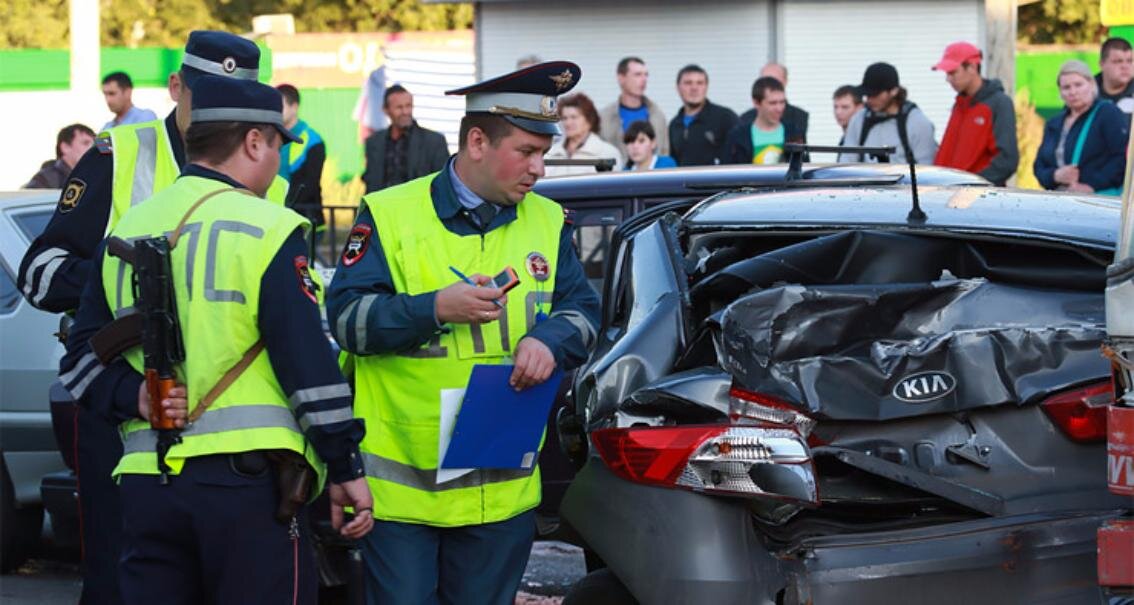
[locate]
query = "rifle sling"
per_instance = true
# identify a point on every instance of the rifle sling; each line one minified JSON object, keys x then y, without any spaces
{"x":226,"y":381}
{"x":235,"y":371}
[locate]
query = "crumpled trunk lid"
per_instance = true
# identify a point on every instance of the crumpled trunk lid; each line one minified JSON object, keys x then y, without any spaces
{"x":878,"y":352}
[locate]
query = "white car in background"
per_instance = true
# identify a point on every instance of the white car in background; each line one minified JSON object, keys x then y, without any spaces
{"x":29,"y":363}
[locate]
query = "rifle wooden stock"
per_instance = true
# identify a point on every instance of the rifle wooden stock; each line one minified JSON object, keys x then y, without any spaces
{"x":158,"y":388}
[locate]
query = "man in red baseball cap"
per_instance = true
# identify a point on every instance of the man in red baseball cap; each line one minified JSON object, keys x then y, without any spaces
{"x":981,"y":135}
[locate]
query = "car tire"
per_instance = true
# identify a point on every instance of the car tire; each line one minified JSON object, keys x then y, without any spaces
{"x":20,"y":527}
{"x":600,"y":587}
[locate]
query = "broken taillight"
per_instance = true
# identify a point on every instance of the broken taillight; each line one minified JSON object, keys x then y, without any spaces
{"x":1081,"y":413}
{"x":752,"y":406}
{"x":722,"y":459}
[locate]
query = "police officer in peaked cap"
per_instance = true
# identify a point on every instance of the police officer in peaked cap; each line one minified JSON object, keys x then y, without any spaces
{"x":259,"y":390}
{"x":127,"y":165}
{"x":415,"y":331}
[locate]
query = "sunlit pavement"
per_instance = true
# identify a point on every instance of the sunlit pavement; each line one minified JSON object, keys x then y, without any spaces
{"x":52,"y":579}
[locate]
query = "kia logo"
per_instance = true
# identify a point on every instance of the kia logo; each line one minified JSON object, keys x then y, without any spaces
{"x":925,"y":386}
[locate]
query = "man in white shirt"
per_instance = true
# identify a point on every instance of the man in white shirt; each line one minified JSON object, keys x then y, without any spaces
{"x":118,"y":88}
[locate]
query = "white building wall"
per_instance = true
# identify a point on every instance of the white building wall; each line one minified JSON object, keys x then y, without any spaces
{"x":729,"y":38}
{"x":827,"y":44}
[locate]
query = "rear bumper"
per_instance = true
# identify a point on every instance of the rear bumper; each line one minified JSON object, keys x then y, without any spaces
{"x":1043,"y":557}
{"x":673,"y":546}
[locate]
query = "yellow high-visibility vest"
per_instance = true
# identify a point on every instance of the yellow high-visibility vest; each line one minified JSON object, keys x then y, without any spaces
{"x":218,"y":263}
{"x":399,"y":395}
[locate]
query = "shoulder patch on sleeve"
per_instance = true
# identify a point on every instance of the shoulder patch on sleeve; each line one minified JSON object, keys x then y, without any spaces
{"x":357,"y":243}
{"x":569,"y":216}
{"x":72,"y":193}
{"x":104,"y":144}
{"x":306,"y":284}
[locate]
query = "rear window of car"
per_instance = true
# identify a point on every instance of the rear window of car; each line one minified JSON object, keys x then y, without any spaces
{"x":32,"y":222}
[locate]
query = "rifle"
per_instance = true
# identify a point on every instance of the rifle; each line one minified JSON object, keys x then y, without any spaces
{"x":162,"y":345}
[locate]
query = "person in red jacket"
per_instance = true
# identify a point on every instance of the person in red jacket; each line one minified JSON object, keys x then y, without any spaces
{"x":981,"y":135}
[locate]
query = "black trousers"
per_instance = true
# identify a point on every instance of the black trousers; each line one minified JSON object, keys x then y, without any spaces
{"x":211,"y":536}
{"x":98,"y":448}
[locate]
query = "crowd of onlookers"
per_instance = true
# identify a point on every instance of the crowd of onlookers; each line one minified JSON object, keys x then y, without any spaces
{"x":1083,"y":148}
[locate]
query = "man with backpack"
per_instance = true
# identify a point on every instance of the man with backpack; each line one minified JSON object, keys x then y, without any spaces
{"x":888,"y":119}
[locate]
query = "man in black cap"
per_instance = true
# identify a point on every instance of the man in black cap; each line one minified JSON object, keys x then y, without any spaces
{"x":888,"y":119}
{"x":417,"y":331}
{"x":202,"y":524}
{"x":128,"y":164}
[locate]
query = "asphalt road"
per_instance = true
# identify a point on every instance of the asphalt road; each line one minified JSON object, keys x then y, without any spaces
{"x":52,"y":578}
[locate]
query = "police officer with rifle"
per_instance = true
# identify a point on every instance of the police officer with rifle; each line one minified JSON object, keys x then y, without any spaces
{"x":127,"y":165}
{"x":232,"y":409}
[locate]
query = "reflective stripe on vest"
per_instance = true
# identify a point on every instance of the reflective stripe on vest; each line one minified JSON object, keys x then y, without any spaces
{"x":426,"y":480}
{"x":218,"y":421}
{"x":399,"y":395}
{"x":144,"y":164}
{"x":218,"y":265}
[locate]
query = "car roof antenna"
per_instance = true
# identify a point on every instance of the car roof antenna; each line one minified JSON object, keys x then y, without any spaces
{"x":916,"y":214}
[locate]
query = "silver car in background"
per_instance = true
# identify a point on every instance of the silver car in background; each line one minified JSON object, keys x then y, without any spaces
{"x":29,"y":363}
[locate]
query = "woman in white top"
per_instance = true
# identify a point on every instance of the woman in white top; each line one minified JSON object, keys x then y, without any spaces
{"x":580,"y":122}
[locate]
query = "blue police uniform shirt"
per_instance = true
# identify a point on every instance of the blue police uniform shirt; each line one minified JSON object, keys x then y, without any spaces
{"x":397,"y":322}
{"x":69,"y":241}
{"x":290,"y":328}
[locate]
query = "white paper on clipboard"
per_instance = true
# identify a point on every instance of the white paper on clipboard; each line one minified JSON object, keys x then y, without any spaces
{"x":450,"y":405}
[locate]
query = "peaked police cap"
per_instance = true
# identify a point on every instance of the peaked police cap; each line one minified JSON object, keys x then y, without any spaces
{"x":218,"y":99}
{"x":220,"y":54}
{"x":526,"y":97}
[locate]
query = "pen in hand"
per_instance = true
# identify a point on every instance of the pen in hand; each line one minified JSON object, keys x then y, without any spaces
{"x":470,"y":282}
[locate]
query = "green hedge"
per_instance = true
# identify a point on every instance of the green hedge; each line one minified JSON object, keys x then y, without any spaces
{"x":33,"y":69}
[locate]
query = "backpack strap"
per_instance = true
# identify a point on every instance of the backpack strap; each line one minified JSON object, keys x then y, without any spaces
{"x":903,"y":117}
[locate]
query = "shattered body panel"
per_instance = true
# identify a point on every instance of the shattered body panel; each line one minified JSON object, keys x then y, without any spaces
{"x":847,"y":352}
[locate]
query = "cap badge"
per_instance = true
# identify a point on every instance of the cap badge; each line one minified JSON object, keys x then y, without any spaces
{"x":547,"y":107}
{"x":563,"y":80}
{"x":228,"y":65}
{"x":538,"y":266}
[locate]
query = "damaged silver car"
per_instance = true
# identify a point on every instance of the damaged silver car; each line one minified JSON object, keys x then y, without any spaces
{"x":820,"y":396}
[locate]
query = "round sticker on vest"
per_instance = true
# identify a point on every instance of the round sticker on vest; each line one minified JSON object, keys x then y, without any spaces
{"x":228,"y":65}
{"x":538,"y":266}
{"x":979,"y":120}
{"x":924,"y":387}
{"x":1126,"y":104}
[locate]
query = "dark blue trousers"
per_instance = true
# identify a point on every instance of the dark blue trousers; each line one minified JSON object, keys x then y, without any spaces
{"x":98,"y":448}
{"x":210,"y":536}
{"x":471,"y":565}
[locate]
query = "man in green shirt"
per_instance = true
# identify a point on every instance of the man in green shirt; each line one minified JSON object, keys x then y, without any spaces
{"x":761,"y":140}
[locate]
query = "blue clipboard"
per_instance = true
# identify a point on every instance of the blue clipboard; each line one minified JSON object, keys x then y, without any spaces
{"x":497,"y":426}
